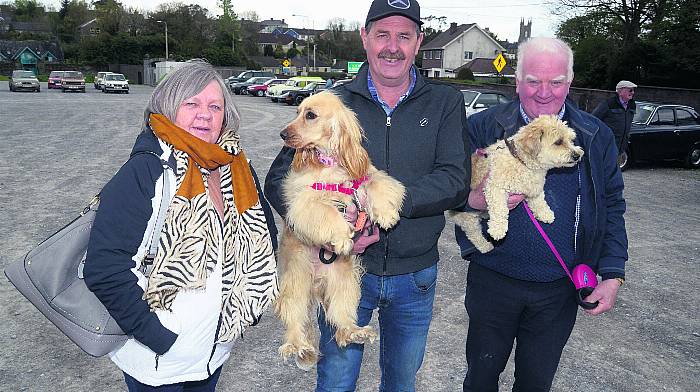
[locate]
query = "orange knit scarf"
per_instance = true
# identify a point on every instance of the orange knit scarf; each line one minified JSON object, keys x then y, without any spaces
{"x":209,"y":156}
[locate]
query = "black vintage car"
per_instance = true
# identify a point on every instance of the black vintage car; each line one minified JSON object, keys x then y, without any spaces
{"x":297,"y":96}
{"x":663,"y":132}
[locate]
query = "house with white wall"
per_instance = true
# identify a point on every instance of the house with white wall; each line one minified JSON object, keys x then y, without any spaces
{"x":456,"y":46}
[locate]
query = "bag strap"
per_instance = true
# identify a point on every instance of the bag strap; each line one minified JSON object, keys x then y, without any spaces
{"x":162,"y":212}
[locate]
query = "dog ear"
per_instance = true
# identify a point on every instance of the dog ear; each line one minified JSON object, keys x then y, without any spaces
{"x":529,"y":140}
{"x":305,"y":159}
{"x":346,"y":141}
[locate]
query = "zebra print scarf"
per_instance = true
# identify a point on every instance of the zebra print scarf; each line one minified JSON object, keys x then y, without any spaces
{"x":189,"y":247}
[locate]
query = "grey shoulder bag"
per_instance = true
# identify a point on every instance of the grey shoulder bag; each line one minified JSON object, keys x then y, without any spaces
{"x":51,"y":277}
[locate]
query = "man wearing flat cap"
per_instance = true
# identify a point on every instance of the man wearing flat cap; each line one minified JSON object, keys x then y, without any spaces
{"x":617,"y":112}
{"x":416,"y":132}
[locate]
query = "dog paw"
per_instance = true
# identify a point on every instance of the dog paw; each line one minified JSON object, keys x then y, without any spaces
{"x":342,"y":246}
{"x":387,"y":221}
{"x":497,"y":231}
{"x":546,"y":216}
{"x":305,"y":356}
{"x":358,"y":335}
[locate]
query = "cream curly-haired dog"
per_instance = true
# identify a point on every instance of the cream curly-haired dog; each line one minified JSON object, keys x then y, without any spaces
{"x":517,"y":165}
{"x":329,"y":170}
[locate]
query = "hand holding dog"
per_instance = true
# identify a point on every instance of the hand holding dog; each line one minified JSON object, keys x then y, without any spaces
{"x":477,"y":200}
{"x":605,"y":293}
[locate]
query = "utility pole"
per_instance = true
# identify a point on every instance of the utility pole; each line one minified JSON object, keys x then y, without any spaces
{"x":166,"y":42}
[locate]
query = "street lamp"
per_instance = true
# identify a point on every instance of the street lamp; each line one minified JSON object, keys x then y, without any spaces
{"x":166,"y":41}
{"x":314,"y":41}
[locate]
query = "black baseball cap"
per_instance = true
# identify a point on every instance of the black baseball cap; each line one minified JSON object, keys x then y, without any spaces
{"x":383,"y":8}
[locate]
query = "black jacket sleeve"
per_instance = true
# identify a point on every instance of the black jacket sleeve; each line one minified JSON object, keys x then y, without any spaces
{"x":447,"y":186}
{"x":266,"y":209}
{"x":118,"y":230}
{"x":273,"y":180}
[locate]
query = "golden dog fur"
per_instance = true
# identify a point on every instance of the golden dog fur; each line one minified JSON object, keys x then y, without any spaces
{"x":313,"y":219}
{"x":545,"y":143}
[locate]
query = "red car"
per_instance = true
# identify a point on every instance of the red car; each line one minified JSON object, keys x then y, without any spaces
{"x":55,"y":79}
{"x":259,"y":89}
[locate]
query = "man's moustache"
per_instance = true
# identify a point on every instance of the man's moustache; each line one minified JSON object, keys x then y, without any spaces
{"x":392,"y":56}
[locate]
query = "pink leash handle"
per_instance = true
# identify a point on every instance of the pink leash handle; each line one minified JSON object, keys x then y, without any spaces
{"x":548,"y":241}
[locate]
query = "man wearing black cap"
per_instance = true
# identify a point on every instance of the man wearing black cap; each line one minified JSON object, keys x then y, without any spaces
{"x":415,"y":132}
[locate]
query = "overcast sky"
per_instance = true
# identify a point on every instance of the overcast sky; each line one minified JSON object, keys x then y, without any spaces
{"x":501,"y":16}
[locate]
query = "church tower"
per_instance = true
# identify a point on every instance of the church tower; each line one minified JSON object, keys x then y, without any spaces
{"x":525,"y":30}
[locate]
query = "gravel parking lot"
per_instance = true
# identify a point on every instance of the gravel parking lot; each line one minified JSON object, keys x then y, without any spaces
{"x":56,"y":150}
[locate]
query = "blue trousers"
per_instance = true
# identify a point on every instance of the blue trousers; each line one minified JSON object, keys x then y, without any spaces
{"x":206,"y":385}
{"x":539,"y":316}
{"x":405,"y":307}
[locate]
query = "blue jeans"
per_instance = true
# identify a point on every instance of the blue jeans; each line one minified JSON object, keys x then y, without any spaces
{"x":405,"y":304}
{"x":206,"y":385}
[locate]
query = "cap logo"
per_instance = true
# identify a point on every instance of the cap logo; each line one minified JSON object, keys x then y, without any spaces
{"x":400,"y":4}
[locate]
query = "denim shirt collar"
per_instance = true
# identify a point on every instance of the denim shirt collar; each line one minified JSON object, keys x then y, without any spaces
{"x":373,"y":90}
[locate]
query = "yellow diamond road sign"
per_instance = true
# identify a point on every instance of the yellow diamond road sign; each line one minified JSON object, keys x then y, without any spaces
{"x":286,"y":63}
{"x":499,"y":62}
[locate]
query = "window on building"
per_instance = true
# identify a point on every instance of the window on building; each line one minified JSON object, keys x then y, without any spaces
{"x":438,"y":54}
{"x":468,"y":55}
{"x":428,"y":54}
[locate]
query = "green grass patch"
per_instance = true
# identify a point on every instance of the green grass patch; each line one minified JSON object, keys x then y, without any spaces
{"x":4,"y":78}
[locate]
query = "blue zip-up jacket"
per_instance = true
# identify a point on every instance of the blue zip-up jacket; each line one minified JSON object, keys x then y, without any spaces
{"x":423,"y":145}
{"x":604,"y":238}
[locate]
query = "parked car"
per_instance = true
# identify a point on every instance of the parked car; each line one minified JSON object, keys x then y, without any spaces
{"x":239,"y":88}
{"x":24,"y":80}
{"x":99,"y":80}
{"x":73,"y":81}
{"x":341,"y":82}
{"x":663,"y":132}
{"x":259,"y":90}
{"x":295,"y":83}
{"x":55,"y":79}
{"x":245,"y":75}
{"x":476,"y":101}
{"x":116,"y":83}
{"x":295,"y":97}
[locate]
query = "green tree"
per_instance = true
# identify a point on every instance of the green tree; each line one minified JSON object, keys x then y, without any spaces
{"x":27,"y":10}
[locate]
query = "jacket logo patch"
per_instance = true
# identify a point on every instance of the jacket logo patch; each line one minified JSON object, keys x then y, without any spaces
{"x":423,"y":122}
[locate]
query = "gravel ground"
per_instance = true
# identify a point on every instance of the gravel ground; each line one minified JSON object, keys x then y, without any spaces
{"x":56,"y":150}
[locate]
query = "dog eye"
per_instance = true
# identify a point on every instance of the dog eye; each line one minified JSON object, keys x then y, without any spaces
{"x":310,"y":115}
{"x":559,"y":142}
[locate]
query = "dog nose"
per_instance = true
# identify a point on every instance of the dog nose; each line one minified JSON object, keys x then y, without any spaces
{"x":575,"y":156}
{"x":284,"y":134}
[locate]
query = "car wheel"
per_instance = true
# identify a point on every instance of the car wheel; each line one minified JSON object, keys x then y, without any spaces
{"x":298,"y":99}
{"x":693,"y":158}
{"x":63,"y":90}
{"x":260,"y":93}
{"x":38,"y":90}
{"x":624,"y":160}
{"x":244,"y":92}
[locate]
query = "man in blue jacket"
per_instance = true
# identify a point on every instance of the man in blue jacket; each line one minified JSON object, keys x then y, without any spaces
{"x":415,"y":131}
{"x":518,"y":291}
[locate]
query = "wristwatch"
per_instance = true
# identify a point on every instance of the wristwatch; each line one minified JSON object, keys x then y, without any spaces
{"x":620,"y":280}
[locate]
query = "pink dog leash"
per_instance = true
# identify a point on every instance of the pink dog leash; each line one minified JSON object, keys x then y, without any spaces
{"x":583,"y":278}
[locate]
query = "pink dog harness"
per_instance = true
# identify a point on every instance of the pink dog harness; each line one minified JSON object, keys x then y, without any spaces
{"x":341,"y":187}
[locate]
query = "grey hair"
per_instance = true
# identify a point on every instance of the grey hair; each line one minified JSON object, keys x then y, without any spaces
{"x":369,"y":25}
{"x":545,"y":45}
{"x":185,"y":81}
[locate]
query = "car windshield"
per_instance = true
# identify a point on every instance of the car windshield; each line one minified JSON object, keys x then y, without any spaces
{"x":469,"y":96}
{"x":290,"y":83}
{"x":310,"y":86}
{"x":56,"y":74}
{"x":115,"y":77}
{"x":23,"y":74}
{"x":643,"y":113}
{"x":251,"y":80}
{"x":72,"y":74}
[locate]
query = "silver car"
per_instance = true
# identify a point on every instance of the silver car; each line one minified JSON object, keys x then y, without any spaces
{"x":24,"y":80}
{"x":476,"y":101}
